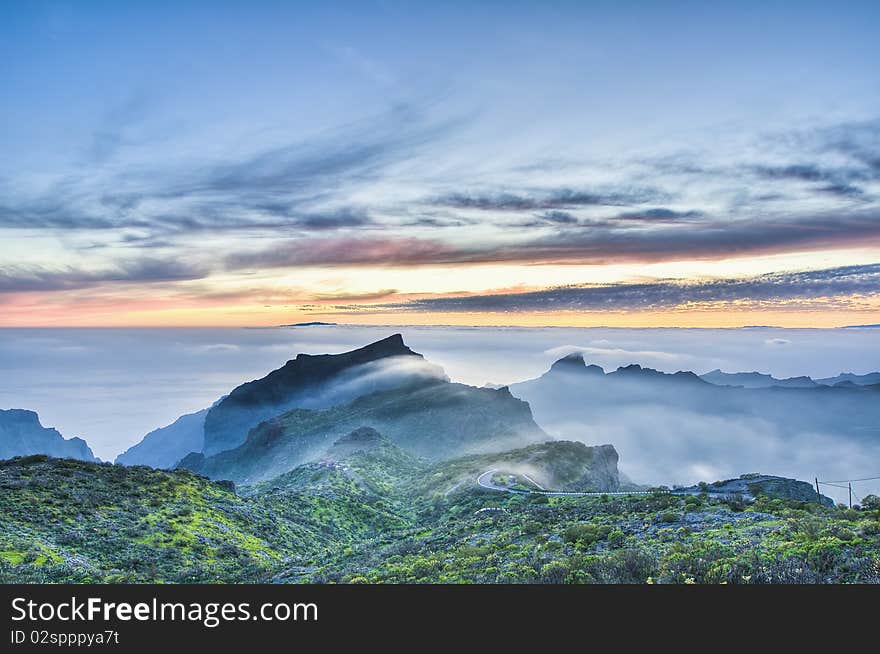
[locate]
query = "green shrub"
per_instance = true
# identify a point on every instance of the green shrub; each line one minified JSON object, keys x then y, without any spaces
{"x":616,"y":539}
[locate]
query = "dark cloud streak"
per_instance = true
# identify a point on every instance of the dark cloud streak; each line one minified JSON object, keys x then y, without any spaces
{"x":562,"y":198}
{"x":586,"y":244}
{"x":19,"y":279}
{"x":834,"y":282}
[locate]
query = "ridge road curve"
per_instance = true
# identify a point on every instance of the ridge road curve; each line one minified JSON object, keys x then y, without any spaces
{"x":485,"y":480}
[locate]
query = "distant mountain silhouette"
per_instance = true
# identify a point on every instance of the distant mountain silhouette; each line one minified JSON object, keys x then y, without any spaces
{"x":575,"y":364}
{"x":313,"y":323}
{"x":754,"y":380}
{"x":22,"y":434}
{"x":868,"y":379}
{"x":164,"y":447}
{"x":635,"y":372}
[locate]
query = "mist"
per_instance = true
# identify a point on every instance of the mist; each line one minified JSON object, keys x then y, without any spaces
{"x":112,"y":386}
{"x":678,"y":430}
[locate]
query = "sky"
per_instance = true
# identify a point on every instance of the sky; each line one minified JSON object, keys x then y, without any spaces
{"x":112,"y":386}
{"x":653,"y":164}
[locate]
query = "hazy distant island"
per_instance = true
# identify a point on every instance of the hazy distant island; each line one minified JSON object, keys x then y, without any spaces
{"x":315,"y":323}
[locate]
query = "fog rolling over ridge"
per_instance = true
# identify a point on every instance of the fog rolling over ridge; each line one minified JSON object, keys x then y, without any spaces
{"x":314,"y":382}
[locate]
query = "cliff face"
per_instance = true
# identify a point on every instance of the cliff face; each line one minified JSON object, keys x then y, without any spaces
{"x":21,"y":434}
{"x":600,"y":472}
{"x":568,"y":465}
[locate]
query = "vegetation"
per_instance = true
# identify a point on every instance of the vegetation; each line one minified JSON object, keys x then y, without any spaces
{"x":381,"y":516}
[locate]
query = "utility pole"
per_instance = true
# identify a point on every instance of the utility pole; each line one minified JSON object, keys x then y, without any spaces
{"x":818,"y":494}
{"x":850,"y":493}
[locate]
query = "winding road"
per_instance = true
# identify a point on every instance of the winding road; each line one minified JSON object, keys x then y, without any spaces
{"x":485,"y":480}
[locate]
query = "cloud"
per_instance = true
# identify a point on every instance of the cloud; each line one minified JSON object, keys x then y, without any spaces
{"x":302,"y":185}
{"x":211,"y":348}
{"x":559,"y":217}
{"x":706,"y":239}
{"x":800,"y":172}
{"x":341,"y":198}
{"x":549,"y":199}
{"x":354,"y":297}
{"x":816,"y":284}
{"x":843,"y":190}
{"x":658,"y":214}
{"x":611,"y":358}
{"x":347,"y":251}
{"x":837,"y":181}
{"x":845,"y":156}
{"x":859,"y":141}
{"x":585,"y":244}
{"x":15,"y":279}
{"x":115,"y":130}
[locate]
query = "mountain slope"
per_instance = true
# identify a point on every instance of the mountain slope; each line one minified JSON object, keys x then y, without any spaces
{"x":164,"y":447}
{"x":314,"y":382}
{"x":21,"y":434}
{"x":355,"y":486}
{"x":439,"y":420}
{"x":85,"y":522}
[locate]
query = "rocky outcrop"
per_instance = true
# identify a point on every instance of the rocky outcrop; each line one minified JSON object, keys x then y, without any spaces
{"x":567,"y":465}
{"x":753,"y":485}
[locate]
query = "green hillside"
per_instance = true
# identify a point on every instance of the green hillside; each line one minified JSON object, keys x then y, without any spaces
{"x":369,"y":512}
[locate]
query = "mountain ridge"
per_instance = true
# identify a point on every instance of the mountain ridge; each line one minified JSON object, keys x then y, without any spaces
{"x":22,"y":434}
{"x":300,"y":382}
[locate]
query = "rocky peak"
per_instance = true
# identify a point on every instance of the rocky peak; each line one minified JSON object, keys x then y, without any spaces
{"x":392,"y":346}
{"x":574,"y":363}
